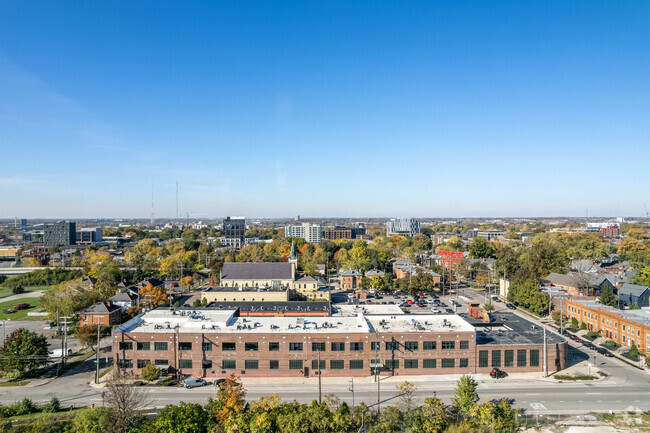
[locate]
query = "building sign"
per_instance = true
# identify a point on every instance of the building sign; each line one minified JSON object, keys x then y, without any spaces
{"x":454,"y":257}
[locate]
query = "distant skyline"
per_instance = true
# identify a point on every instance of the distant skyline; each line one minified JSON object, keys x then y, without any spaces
{"x":424,"y":108}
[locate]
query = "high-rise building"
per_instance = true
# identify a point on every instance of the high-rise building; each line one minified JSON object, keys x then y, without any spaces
{"x":61,"y":233}
{"x":234,"y":230}
{"x":402,"y":226}
{"x":89,"y":235}
{"x":309,"y":232}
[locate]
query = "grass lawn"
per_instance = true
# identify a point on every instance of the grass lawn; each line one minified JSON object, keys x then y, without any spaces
{"x":21,"y":314}
{"x":5,"y":291}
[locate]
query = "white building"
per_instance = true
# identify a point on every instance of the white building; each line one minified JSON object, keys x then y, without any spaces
{"x":406,"y":226}
{"x":309,"y":232}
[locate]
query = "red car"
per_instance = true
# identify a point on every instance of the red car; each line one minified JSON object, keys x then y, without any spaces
{"x":21,"y":307}
{"x":408,"y":301}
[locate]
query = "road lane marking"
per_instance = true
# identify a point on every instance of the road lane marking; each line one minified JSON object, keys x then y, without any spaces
{"x":594,"y":393}
{"x":532,"y":394}
{"x":537,"y":406}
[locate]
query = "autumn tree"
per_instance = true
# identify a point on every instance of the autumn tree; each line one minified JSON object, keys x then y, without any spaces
{"x":87,"y":335}
{"x":231,"y":399}
{"x":154,"y":295}
{"x":465,"y":396}
{"x":126,"y":401}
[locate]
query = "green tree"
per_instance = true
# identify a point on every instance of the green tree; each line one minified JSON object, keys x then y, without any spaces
{"x":465,"y":396}
{"x":481,"y":248}
{"x":607,"y":297}
{"x":643,"y":277}
{"x":377,"y":282}
{"x":97,"y":420}
{"x":182,"y":418}
{"x":150,"y":372}
{"x":421,"y":242}
{"x":22,"y":352}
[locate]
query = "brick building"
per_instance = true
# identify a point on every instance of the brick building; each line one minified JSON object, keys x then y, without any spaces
{"x":350,"y":279}
{"x":626,"y":327}
{"x":105,"y":313}
{"x":207,"y":342}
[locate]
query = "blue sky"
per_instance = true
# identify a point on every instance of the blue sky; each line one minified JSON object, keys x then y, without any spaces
{"x":352,"y":108}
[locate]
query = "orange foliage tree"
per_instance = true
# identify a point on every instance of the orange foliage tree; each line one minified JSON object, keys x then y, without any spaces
{"x":158,"y":295}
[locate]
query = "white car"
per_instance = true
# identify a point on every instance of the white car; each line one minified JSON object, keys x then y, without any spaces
{"x":435,"y":311}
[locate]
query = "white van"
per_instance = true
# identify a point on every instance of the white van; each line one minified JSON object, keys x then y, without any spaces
{"x":194,"y":382}
{"x":56,"y":353}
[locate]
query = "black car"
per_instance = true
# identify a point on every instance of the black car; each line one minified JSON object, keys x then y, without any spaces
{"x":449,"y":310}
{"x":510,"y":306}
{"x":497,"y":373}
{"x":604,"y":352}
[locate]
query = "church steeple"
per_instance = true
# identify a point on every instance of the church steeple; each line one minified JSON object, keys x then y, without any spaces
{"x":292,"y":254}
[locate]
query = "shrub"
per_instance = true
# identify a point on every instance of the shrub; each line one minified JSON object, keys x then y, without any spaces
{"x":24,"y":407}
{"x":574,"y":322}
{"x":17,"y":290}
{"x":52,"y":406}
{"x":138,"y":383}
{"x":197,"y":303}
{"x":167,"y":382}
{"x":583,"y":325}
{"x":593,"y":335}
{"x":634,"y":351}
{"x":150,"y":372}
{"x":611,"y":344}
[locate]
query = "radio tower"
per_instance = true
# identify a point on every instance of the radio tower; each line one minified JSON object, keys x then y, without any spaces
{"x":177,"y":200}
{"x":152,"y":213}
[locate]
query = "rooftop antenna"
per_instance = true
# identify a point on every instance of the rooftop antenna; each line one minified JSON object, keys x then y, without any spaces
{"x":177,"y":199}
{"x":152,"y":213}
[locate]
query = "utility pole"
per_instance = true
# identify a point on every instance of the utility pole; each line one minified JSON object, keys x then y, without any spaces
{"x":99,"y":325}
{"x":64,"y":341}
{"x":319,"y":384}
{"x":561,"y":314}
{"x":377,"y":373}
{"x":545,"y":364}
{"x":351,"y":388}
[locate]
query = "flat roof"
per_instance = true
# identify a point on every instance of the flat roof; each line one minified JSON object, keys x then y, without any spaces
{"x":419,"y":323}
{"x":509,"y":329}
{"x":272,"y":306}
{"x":366,"y":309}
{"x":244,"y":289}
{"x":193,"y":320}
{"x":638,"y":316}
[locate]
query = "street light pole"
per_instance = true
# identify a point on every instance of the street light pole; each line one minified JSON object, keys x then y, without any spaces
{"x":97,"y":354}
{"x":352,"y":389}
{"x":319,"y":384}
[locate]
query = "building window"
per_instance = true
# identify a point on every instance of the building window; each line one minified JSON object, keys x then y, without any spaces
{"x":464,"y":345}
{"x":143,"y":362}
{"x":509,"y":358}
{"x":127,"y":363}
{"x":411,"y":345}
{"x":228,"y":347}
{"x":251,"y":347}
{"x":206,"y":364}
{"x":161,"y":362}
{"x":356,"y":364}
{"x":228,"y":364}
{"x":274,"y":346}
{"x":464,"y":362}
{"x":251,"y":364}
{"x":448,"y":363}
{"x":429,"y":345}
{"x":429,"y":363}
{"x":207,"y":347}
{"x":521,"y":358}
{"x":126,"y":345}
{"x":448,"y":345}
{"x":338,"y":347}
{"x":314,"y":364}
{"x":160,"y":346}
{"x":482,"y":358}
{"x":186,"y":363}
{"x":295,"y":364}
{"x":337,"y":364}
{"x":496,"y":358}
{"x":392,"y":345}
{"x":318,"y":347}
{"x":184,"y":346}
{"x":410,"y":363}
{"x":274,"y":364}
{"x":534,"y":358}
{"x":375,"y":345}
{"x":392,"y":364}
{"x":356,"y":346}
{"x":143,"y":346}
{"x":295,"y":347}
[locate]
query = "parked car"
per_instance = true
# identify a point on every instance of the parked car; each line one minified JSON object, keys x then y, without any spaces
{"x":510,"y":306}
{"x":604,"y":352}
{"x":449,"y":310}
{"x":174,"y":284}
{"x":408,"y":301}
{"x":435,"y":311}
{"x":56,"y":353}
{"x":21,"y":306}
{"x":218,"y":382}
{"x":497,"y":373}
{"x":496,"y":299}
{"x":194,"y":382}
